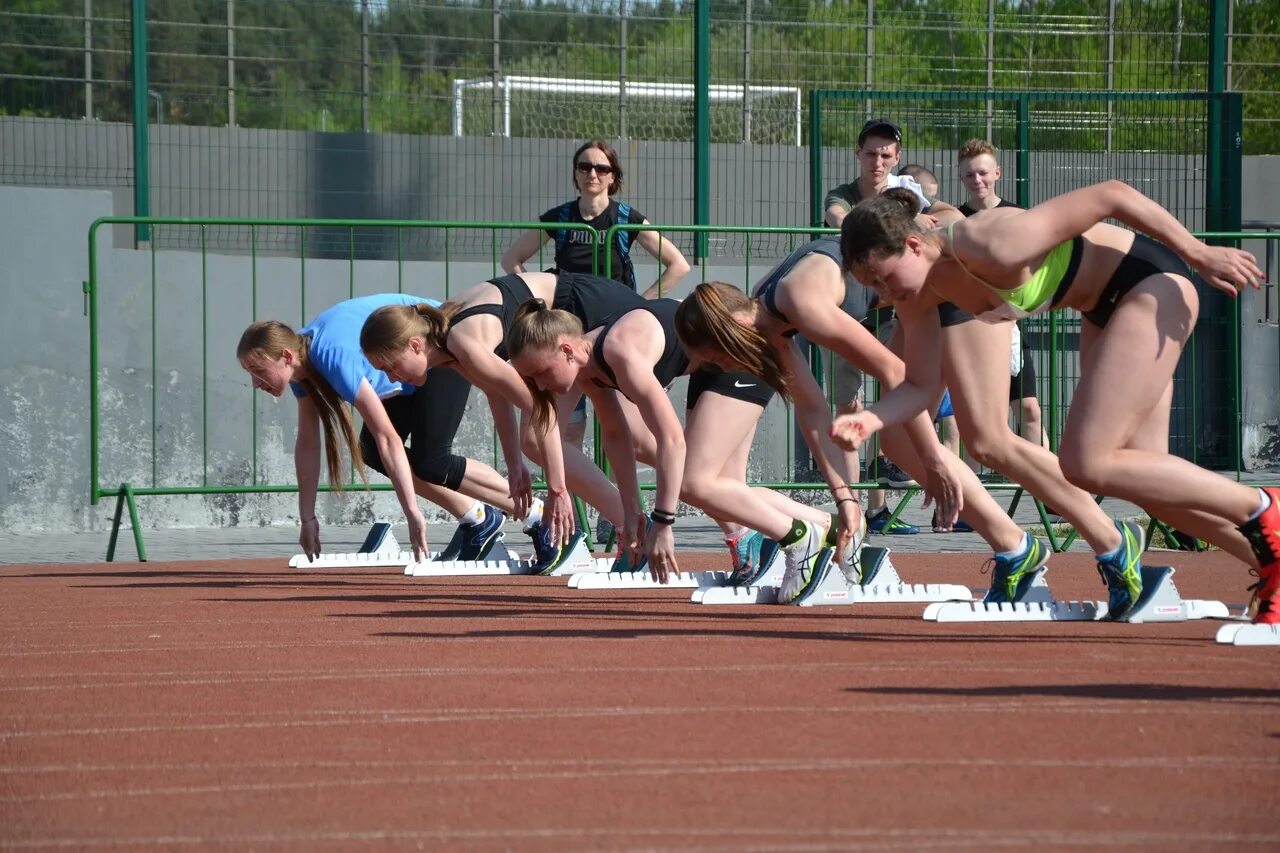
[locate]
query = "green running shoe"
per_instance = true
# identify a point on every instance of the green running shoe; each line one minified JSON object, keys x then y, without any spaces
{"x":1123,"y":573}
{"x":1011,"y":578}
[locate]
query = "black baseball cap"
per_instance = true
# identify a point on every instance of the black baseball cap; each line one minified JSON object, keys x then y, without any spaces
{"x":880,"y":127}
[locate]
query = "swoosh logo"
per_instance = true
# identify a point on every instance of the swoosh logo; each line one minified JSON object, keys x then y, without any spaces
{"x":737,"y":384}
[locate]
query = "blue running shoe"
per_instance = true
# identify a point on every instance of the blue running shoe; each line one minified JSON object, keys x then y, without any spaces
{"x":1011,"y":578}
{"x":744,"y":552}
{"x":750,"y":574}
{"x":454,"y":548}
{"x":547,"y":554}
{"x":478,"y":538}
{"x":879,"y":523}
{"x":622,"y":564}
{"x":1123,"y":573}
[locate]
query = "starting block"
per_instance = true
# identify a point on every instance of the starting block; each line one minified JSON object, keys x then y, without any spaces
{"x":380,"y":548}
{"x":1160,"y":602}
{"x":880,"y":585}
{"x":500,"y":561}
{"x":1248,"y":634}
{"x":770,"y":571}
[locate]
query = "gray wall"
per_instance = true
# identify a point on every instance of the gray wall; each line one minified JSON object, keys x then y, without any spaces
{"x":154,"y":349}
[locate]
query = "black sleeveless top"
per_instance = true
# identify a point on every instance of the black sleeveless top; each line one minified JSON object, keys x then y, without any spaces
{"x":857,"y":298}
{"x":592,"y":299}
{"x":674,"y":361}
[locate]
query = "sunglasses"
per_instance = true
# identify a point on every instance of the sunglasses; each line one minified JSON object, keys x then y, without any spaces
{"x":600,"y":168}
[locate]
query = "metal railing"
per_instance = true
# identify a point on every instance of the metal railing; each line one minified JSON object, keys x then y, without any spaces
{"x":196,"y":302}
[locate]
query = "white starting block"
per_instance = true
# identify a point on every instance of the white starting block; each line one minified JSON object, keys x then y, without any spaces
{"x":770,"y":572}
{"x":500,"y":561}
{"x":880,"y":585}
{"x":1160,"y":602}
{"x":1248,"y":634}
{"x":380,"y":548}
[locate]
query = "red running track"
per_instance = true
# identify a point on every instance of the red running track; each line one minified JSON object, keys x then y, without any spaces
{"x":241,"y":704}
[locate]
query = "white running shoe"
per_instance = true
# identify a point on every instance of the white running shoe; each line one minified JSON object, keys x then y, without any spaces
{"x":850,"y":559}
{"x":802,"y":559}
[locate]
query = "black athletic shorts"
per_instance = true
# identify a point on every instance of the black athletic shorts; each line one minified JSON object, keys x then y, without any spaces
{"x":732,"y":384}
{"x":1023,"y":386}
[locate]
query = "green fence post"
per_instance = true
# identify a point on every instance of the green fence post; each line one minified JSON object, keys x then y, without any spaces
{"x":141,"y":158}
{"x":702,"y":123}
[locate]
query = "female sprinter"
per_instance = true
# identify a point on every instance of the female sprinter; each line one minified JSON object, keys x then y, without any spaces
{"x":625,"y":367}
{"x":468,"y":334}
{"x":324,"y":367}
{"x":1139,"y":307}
{"x":805,"y":294}
{"x":596,"y":174}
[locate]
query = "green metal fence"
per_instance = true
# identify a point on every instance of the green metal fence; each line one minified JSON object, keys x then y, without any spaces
{"x":186,"y":365}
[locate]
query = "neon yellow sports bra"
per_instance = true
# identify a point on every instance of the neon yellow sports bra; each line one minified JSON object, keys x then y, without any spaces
{"x":1036,"y":294}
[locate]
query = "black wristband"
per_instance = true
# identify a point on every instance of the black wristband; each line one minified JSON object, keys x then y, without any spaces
{"x":846,"y":501}
{"x":657,"y":516}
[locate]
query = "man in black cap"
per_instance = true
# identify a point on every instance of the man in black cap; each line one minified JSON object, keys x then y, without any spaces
{"x":879,"y":150}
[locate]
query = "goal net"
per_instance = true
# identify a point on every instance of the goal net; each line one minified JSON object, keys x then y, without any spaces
{"x":553,"y":107}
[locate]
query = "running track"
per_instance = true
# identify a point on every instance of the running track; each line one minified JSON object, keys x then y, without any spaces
{"x":241,"y":704}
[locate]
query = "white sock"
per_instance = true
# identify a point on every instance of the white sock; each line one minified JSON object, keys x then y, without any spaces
{"x":475,"y":515}
{"x":1020,"y":551}
{"x":1264,"y":503}
{"x":535,"y":513}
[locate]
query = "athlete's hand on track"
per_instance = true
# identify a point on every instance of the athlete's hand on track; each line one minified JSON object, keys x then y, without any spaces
{"x":850,"y":431}
{"x":557,"y":511}
{"x":660,"y":545}
{"x":1230,"y":270}
{"x":309,"y":538}
{"x":418,"y":535}
{"x":630,"y":539}
{"x":521,"y":488}
{"x":943,"y":488}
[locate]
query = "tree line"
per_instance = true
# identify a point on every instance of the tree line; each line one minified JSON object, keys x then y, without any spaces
{"x":300,"y":64}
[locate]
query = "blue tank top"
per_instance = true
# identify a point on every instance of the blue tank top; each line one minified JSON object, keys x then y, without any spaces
{"x":335,"y":346}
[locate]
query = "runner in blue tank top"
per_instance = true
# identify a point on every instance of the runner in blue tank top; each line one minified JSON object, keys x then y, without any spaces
{"x":324,"y":368}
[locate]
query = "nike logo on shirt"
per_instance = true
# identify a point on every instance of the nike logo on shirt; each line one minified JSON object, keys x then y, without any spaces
{"x":737,"y":384}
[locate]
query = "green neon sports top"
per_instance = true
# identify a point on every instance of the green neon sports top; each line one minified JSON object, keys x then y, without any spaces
{"x":1033,"y":296}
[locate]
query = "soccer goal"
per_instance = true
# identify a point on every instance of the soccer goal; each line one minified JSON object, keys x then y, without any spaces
{"x":552,"y":107}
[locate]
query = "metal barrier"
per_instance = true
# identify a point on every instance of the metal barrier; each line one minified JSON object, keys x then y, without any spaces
{"x":249,"y":478}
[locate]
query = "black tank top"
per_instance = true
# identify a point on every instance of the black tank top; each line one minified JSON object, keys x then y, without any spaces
{"x":514,"y":292}
{"x":590,"y":298}
{"x":673,"y":363}
{"x":857,"y":298}
{"x":593,"y":299}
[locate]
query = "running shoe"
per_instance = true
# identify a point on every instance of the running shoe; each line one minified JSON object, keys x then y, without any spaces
{"x":850,"y":559}
{"x":752,"y":573}
{"x":1011,"y":578}
{"x":454,"y":548}
{"x":881,"y":523}
{"x":1123,"y":573}
{"x":1263,"y":534}
{"x":549,"y":555}
{"x":604,"y":531}
{"x":744,"y":552}
{"x":805,"y":561}
{"x":622,"y":564}
{"x":478,"y":539}
{"x":889,"y":475}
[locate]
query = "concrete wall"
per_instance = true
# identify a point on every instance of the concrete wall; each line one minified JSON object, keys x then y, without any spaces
{"x":158,"y":427}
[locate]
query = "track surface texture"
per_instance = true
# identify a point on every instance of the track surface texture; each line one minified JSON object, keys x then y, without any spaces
{"x":240,"y":704}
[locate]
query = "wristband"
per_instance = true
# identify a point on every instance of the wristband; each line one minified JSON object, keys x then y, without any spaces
{"x":308,"y":520}
{"x":660,"y":517}
{"x":846,"y":501}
